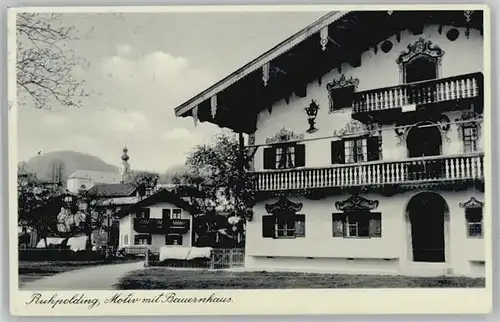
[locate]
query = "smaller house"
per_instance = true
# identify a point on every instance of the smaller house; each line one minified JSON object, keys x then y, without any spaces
{"x":161,"y":219}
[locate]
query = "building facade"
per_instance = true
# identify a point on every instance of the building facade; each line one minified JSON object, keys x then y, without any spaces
{"x":367,"y":144}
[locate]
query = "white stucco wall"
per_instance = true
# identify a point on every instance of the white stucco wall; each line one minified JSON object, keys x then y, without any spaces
{"x":461,"y":56}
{"x":157,"y":240}
{"x":390,"y":253}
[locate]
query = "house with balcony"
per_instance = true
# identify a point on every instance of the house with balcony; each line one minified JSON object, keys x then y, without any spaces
{"x":161,"y":219}
{"x":366,"y":136}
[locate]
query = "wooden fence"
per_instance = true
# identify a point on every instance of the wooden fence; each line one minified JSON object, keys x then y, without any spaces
{"x":227,"y":258}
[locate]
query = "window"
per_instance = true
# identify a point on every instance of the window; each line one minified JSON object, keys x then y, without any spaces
{"x":357,"y":224}
{"x":165,"y":215}
{"x":284,"y":156}
{"x":341,"y":97}
{"x":142,"y":239}
{"x":176,"y":214}
{"x":356,"y":150}
{"x":143,"y":213}
{"x":420,"y":68}
{"x":474,"y":222}
{"x":470,"y":137}
{"x":173,"y":239}
{"x":283,"y":226}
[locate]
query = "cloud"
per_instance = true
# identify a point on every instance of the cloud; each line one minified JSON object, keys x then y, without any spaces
{"x":131,"y":104}
{"x":123,"y":50}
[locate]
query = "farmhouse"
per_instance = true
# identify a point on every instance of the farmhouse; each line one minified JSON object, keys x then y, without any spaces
{"x":366,"y":136}
{"x":160,"y":219}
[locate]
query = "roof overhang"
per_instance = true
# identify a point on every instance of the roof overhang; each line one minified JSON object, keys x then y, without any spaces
{"x":336,"y":38}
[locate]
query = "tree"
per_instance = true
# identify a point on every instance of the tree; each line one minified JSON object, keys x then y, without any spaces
{"x":57,"y":171}
{"x":148,"y":180}
{"x":44,"y":63}
{"x":90,"y":214}
{"x":38,"y":205}
{"x":220,"y":170}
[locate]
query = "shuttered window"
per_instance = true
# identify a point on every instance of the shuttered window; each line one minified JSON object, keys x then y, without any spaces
{"x":284,"y":226}
{"x":142,"y":239}
{"x":356,"y":150}
{"x":357,"y":224}
{"x":284,"y":156}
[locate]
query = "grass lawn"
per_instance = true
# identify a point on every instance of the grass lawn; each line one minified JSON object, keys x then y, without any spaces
{"x":164,"y":278}
{"x":33,"y":270}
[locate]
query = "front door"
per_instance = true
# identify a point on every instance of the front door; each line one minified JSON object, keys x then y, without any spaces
{"x":427,"y":228}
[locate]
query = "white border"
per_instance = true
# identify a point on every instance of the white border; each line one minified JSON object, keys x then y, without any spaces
{"x":264,"y":302}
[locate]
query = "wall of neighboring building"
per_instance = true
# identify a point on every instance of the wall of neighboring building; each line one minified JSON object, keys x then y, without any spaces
{"x":74,"y":185}
{"x":462,"y":56}
{"x":390,"y":253}
{"x":126,"y":231}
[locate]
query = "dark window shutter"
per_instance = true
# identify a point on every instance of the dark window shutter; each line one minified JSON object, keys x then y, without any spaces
{"x":300,"y":155}
{"x":373,"y":147}
{"x":268,"y":223}
{"x":338,"y":224}
{"x":269,"y":158}
{"x":300,"y":225}
{"x":376,"y":225}
{"x":165,"y":215}
{"x":338,"y":152}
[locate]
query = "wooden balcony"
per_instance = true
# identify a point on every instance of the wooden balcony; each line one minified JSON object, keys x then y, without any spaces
{"x":373,"y":103}
{"x":376,"y":173}
{"x":157,"y":226}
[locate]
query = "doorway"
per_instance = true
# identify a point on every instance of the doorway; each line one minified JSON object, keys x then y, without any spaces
{"x":420,"y":68}
{"x":424,"y":140}
{"x":427,"y":214}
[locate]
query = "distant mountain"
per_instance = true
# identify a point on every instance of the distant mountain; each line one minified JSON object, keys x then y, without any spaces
{"x":49,"y":165}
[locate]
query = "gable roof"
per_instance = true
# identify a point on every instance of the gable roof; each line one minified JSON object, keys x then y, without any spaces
{"x":97,"y":176}
{"x":113,"y":190}
{"x":158,"y":197}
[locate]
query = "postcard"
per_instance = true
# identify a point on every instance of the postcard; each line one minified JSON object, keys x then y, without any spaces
{"x":249,"y":160}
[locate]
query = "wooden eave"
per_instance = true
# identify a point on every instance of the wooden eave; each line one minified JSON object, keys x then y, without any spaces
{"x":300,"y":60}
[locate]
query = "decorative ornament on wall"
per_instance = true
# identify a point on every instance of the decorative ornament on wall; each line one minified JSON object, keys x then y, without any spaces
{"x":416,"y":48}
{"x":386,"y":46}
{"x":452,"y":34}
{"x":468,"y":19}
{"x":283,"y":205}
{"x":355,"y":127}
{"x":420,"y":46}
{"x":355,"y":202}
{"x":213,"y":106}
{"x":445,"y":123}
{"x":340,"y":92}
{"x":471,"y":204}
{"x":323,"y":38}
{"x":311,"y":112}
{"x":265,"y":73}
{"x":284,"y":136}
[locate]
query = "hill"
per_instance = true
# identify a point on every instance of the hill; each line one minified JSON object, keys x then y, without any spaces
{"x":46,"y":165}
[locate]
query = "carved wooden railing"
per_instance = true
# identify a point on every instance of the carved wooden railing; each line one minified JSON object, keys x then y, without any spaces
{"x":425,"y":92}
{"x":155,"y":225}
{"x":414,"y":170}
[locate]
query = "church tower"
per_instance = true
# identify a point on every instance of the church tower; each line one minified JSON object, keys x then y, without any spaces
{"x":125,"y":169}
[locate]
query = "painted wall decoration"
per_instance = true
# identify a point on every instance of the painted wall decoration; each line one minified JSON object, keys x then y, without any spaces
{"x":355,"y":203}
{"x":283,"y":136}
{"x":311,"y":112}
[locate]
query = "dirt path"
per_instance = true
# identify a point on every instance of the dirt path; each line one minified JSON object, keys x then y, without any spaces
{"x":89,"y":278}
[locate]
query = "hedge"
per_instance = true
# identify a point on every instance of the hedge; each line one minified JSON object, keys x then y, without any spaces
{"x":59,"y":255}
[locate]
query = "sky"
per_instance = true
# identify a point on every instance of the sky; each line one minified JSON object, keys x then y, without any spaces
{"x":139,"y":67}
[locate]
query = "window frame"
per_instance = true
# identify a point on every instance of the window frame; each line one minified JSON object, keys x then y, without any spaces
{"x":470,"y":140}
{"x":355,"y":219}
{"x":141,"y":237}
{"x":291,"y":226}
{"x":474,"y":223}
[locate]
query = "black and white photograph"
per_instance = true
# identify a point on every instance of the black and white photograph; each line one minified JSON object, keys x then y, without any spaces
{"x":174,"y":151}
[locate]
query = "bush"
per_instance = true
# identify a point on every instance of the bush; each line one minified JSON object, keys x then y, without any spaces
{"x":38,"y":254}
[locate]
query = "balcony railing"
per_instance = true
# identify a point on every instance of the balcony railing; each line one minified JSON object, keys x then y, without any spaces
{"x":376,"y":173}
{"x":158,"y":226}
{"x":425,"y":92}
